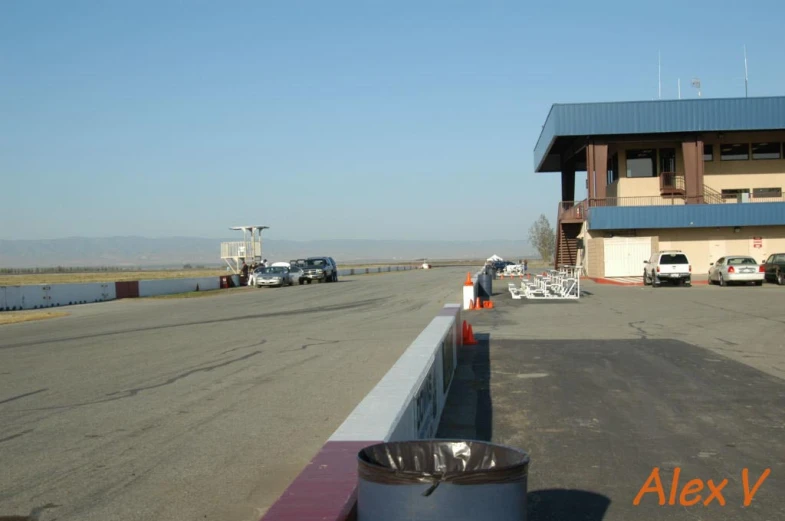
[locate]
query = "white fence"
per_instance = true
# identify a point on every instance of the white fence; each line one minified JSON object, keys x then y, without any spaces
{"x":41,"y":296}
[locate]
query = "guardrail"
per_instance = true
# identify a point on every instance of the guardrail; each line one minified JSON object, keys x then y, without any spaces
{"x":405,"y":405}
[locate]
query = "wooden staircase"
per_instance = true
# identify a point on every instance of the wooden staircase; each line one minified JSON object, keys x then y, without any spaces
{"x":570,"y":220}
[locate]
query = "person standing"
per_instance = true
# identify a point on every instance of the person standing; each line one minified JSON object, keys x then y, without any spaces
{"x":525,"y":267}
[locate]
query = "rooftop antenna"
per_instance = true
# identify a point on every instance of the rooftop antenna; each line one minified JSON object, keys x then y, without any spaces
{"x":696,"y":82}
{"x":745,"y":71}
{"x":659,"y":76}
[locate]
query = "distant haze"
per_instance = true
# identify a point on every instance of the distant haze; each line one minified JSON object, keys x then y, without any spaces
{"x":177,"y":251}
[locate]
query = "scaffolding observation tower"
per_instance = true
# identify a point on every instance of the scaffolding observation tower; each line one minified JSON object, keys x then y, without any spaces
{"x":249,"y":250}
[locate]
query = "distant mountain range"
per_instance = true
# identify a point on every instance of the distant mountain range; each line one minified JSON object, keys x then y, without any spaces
{"x":177,"y":251}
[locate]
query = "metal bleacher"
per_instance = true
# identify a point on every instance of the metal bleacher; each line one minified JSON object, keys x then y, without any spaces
{"x":561,"y":284}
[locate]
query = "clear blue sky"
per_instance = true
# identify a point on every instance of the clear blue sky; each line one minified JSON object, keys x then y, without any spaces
{"x":388,"y":120}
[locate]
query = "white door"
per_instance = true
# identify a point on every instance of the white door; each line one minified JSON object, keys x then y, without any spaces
{"x":717,"y":250}
{"x":624,"y":256}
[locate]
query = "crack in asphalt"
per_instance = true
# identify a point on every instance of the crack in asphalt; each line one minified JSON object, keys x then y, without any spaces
{"x":17,"y":435}
{"x":130,"y":393}
{"x":307,"y":311}
{"x":20,"y":396}
{"x":640,"y":330}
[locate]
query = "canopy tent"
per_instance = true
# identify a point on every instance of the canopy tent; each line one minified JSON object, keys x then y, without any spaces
{"x":494,"y":258}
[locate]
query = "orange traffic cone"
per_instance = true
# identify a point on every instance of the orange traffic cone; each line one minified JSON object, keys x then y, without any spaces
{"x":487,"y":304}
{"x":468,"y":280}
{"x":468,"y":335}
{"x":478,"y":303}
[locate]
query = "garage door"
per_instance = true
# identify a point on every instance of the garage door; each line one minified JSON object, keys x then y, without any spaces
{"x":624,"y":256}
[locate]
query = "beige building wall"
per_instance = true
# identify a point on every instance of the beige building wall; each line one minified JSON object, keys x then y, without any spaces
{"x":719,"y":175}
{"x":705,"y":245}
{"x":595,"y":256}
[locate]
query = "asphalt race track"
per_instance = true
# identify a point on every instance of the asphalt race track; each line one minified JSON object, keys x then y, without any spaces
{"x":195,"y":409}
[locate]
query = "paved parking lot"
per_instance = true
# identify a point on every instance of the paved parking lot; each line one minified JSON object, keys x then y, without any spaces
{"x":629,"y":379}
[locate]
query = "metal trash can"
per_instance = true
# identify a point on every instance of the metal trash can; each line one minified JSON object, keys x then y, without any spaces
{"x":437,"y":480}
{"x":485,"y":286}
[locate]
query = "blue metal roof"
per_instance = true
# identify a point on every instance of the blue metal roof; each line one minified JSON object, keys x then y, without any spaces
{"x":656,"y":117}
{"x":686,"y":216}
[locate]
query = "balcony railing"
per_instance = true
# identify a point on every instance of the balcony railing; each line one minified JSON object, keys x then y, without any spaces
{"x":240,"y":249}
{"x":572,"y":210}
{"x":578,"y":209}
{"x":672,"y":183}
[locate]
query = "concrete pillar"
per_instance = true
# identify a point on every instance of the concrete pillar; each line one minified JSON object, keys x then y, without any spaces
{"x":692,"y":151}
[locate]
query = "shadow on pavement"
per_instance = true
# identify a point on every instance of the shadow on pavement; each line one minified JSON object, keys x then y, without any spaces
{"x":566,"y":505}
{"x":468,"y":413}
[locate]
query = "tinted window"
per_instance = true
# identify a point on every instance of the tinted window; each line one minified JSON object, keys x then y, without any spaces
{"x":318,"y":263}
{"x":778,"y":259}
{"x":739,"y":261}
{"x":708,"y":152}
{"x":673,"y":258}
{"x":640,"y":163}
{"x":766,"y":151}
{"x":767,"y":192}
{"x":667,"y":160}
{"x":735,"y":152}
{"x":274,"y":269}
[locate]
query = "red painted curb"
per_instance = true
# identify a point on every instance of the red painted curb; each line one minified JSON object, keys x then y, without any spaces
{"x":326,"y":489}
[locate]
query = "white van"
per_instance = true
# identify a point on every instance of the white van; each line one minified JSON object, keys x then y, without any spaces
{"x":669,"y":266}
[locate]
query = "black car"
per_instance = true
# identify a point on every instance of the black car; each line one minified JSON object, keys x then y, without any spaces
{"x":322,"y":269}
{"x":774,"y":268}
{"x":499,"y":266}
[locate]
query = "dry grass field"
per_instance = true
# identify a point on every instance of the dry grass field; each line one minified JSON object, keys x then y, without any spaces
{"x":119,"y":276}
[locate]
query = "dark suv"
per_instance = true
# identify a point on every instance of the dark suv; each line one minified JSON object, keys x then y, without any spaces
{"x":322,"y":269}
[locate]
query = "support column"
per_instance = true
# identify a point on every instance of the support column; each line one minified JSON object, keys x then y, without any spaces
{"x":568,"y":181}
{"x":597,"y":170}
{"x":692,"y":151}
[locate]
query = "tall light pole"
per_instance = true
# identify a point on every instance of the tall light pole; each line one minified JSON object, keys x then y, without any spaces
{"x":745,"y":71}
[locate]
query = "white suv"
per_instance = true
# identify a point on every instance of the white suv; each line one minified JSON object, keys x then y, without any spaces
{"x":671,"y":266}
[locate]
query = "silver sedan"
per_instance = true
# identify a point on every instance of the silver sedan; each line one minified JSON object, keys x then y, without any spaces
{"x":736,"y":269}
{"x":275,"y":276}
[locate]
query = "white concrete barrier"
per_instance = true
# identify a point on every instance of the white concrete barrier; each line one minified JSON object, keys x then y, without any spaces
{"x":408,"y":402}
{"x":154,"y":288}
{"x":54,"y":295}
{"x":405,"y":405}
{"x":344,"y":272}
{"x":470,"y":292}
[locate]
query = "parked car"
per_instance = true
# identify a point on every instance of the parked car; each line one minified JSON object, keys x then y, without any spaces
{"x":670,"y":266}
{"x":736,"y":269}
{"x":322,"y":269}
{"x":498,"y":266}
{"x":774,"y":268}
{"x":276,"y":276}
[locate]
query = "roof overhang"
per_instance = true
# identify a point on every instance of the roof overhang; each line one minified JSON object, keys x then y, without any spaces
{"x":568,"y":127}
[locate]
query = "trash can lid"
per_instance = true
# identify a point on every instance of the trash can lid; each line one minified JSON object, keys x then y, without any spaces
{"x":459,"y":462}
